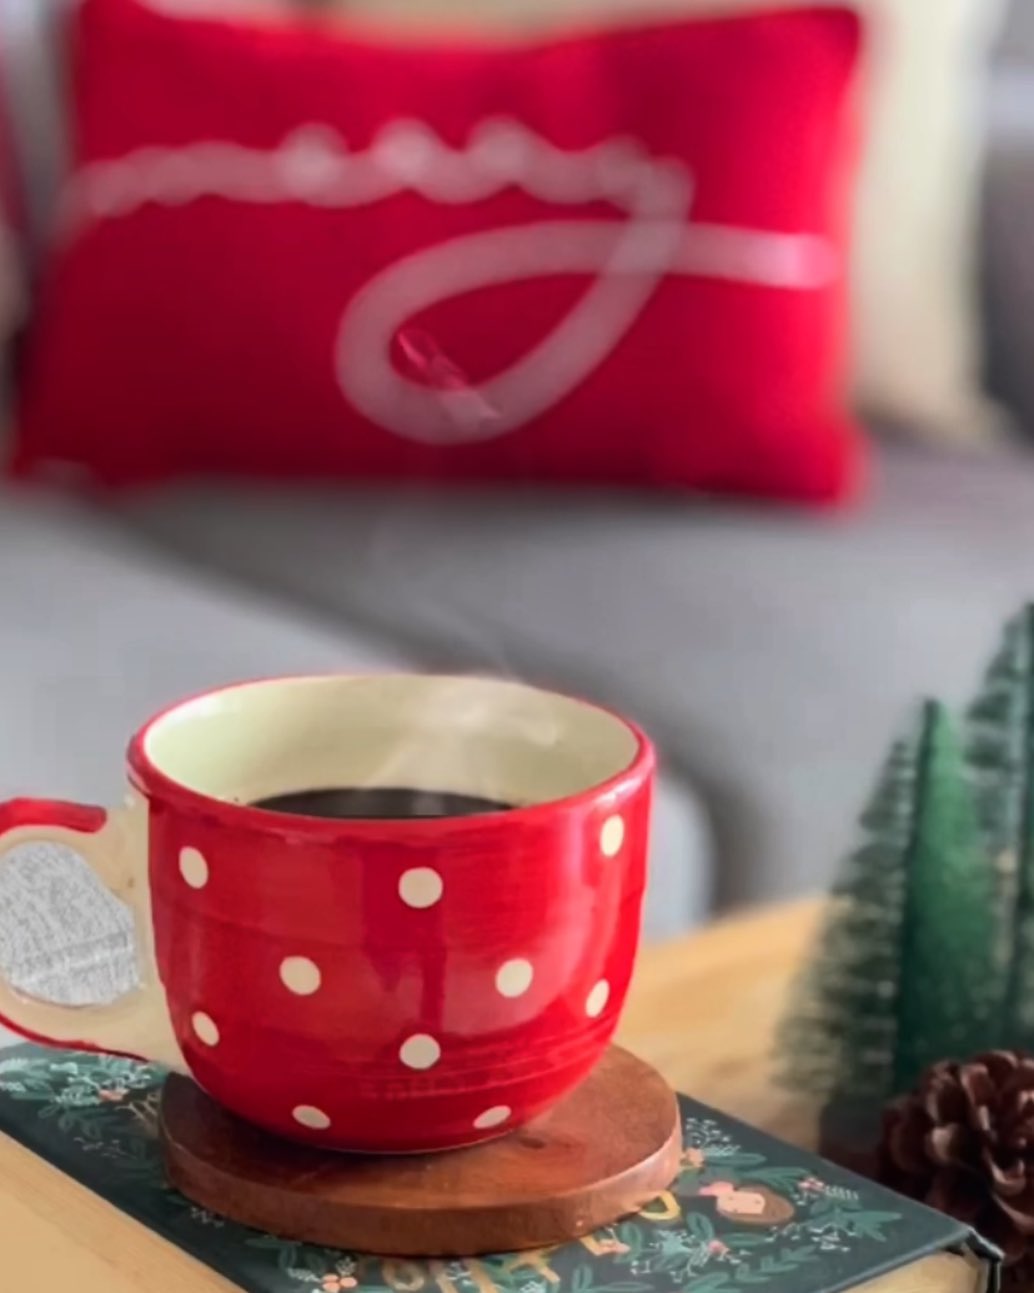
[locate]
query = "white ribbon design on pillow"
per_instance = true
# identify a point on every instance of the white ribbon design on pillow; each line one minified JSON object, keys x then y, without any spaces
{"x":625,"y":259}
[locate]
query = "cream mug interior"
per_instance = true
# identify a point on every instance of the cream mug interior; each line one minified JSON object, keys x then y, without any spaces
{"x":495,"y":740}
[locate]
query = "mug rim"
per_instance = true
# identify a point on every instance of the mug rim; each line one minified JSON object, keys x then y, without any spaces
{"x":147,"y":777}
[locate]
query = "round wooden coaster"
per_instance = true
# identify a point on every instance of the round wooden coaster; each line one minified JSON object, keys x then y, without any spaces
{"x":602,"y":1153}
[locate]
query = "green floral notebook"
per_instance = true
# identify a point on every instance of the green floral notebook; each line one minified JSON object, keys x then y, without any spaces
{"x":747,"y":1213}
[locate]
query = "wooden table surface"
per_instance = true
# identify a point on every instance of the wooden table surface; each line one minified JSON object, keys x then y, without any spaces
{"x":702,"y":1009}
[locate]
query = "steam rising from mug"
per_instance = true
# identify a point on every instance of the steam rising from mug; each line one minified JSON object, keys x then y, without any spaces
{"x":466,"y":740}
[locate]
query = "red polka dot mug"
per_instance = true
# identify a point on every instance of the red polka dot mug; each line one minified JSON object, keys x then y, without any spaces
{"x":369,"y":984}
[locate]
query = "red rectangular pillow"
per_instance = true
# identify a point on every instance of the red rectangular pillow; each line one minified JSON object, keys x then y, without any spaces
{"x":286,"y":251}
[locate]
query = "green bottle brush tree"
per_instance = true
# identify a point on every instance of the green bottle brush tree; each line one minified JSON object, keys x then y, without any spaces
{"x":928,"y":947}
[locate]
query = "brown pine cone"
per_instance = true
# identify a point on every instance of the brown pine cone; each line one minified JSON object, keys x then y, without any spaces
{"x":963,"y":1142}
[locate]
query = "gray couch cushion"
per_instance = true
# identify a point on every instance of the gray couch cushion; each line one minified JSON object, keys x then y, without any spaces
{"x":1008,"y":248}
{"x":96,"y":633}
{"x":772,"y":653}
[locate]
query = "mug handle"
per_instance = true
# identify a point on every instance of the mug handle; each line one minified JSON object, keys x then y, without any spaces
{"x":114,"y":846}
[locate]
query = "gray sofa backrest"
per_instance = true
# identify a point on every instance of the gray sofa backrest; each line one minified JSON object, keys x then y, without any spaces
{"x":1008,"y":238}
{"x":1017,"y":42}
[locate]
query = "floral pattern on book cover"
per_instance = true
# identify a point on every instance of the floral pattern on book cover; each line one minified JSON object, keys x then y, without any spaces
{"x":736,"y":1217}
